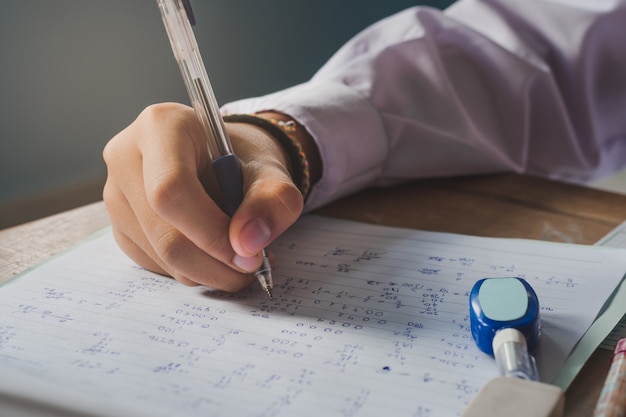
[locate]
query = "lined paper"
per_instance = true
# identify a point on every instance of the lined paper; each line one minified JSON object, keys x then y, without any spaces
{"x":365,"y":320}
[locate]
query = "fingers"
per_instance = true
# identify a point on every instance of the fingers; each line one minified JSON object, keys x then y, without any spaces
{"x":161,"y":215}
{"x":164,"y":219}
{"x":165,"y":250}
{"x":174,"y":191}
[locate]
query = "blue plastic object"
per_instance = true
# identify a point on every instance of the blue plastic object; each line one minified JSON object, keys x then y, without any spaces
{"x":499,"y":303}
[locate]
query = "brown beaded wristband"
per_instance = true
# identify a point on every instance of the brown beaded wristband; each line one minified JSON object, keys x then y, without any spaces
{"x":283,"y":133}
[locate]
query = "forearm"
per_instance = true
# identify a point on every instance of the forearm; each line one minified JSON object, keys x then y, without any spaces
{"x":535,"y":87}
{"x":344,"y":126}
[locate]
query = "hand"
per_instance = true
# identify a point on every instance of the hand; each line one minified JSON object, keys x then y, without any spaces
{"x":158,"y":195}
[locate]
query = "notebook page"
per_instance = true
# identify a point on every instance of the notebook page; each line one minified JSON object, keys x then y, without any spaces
{"x":365,"y":320}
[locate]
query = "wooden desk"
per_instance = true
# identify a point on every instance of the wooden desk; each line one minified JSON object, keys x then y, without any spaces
{"x":497,"y":206}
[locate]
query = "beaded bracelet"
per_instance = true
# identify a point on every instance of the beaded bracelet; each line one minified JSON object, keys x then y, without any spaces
{"x":283,"y":132}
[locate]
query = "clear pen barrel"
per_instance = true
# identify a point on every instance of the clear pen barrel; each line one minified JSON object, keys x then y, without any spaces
{"x":196,"y":80}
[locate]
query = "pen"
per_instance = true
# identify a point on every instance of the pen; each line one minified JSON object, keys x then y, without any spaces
{"x":178,"y":18}
{"x":612,"y":402}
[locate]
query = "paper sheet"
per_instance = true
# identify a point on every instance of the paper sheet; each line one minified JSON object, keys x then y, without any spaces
{"x":366,"y":320}
{"x":609,"y":326}
{"x":616,"y":239}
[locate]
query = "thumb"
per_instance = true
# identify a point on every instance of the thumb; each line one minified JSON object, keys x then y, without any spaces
{"x":270,"y":206}
{"x":271,"y":202}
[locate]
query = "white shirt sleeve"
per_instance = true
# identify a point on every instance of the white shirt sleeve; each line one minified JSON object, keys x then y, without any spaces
{"x":534,"y":86}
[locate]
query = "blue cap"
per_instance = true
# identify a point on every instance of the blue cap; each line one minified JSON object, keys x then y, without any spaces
{"x":499,"y":303}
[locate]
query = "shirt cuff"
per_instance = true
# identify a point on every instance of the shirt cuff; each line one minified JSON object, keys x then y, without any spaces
{"x":347,"y":129}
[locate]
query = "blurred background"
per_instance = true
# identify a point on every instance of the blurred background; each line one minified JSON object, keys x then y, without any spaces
{"x":73,"y":73}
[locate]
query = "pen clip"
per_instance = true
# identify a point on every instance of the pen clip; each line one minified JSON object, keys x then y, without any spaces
{"x":189,"y":11}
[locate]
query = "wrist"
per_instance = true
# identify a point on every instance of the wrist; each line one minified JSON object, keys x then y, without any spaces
{"x":304,"y":162}
{"x":304,"y":139}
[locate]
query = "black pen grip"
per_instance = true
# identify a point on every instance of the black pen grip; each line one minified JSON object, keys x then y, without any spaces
{"x":230,"y":179}
{"x":229,"y":176}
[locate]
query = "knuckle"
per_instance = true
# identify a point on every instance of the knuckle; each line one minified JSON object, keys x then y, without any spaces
{"x":165,"y":189}
{"x":290,"y":201}
{"x":111,"y":151}
{"x":106,"y":152}
{"x":108,"y":193}
{"x":176,"y":115}
{"x":159,"y":112}
{"x":170,"y":247}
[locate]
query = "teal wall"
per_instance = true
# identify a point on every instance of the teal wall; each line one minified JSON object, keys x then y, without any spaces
{"x":75,"y":72}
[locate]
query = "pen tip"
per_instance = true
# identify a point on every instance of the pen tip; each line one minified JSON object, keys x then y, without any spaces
{"x":268,"y":290}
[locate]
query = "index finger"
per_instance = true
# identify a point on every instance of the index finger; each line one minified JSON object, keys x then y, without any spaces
{"x":174,"y":160}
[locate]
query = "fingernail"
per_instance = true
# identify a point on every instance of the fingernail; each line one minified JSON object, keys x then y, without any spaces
{"x":255,"y":235}
{"x":246,"y":263}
